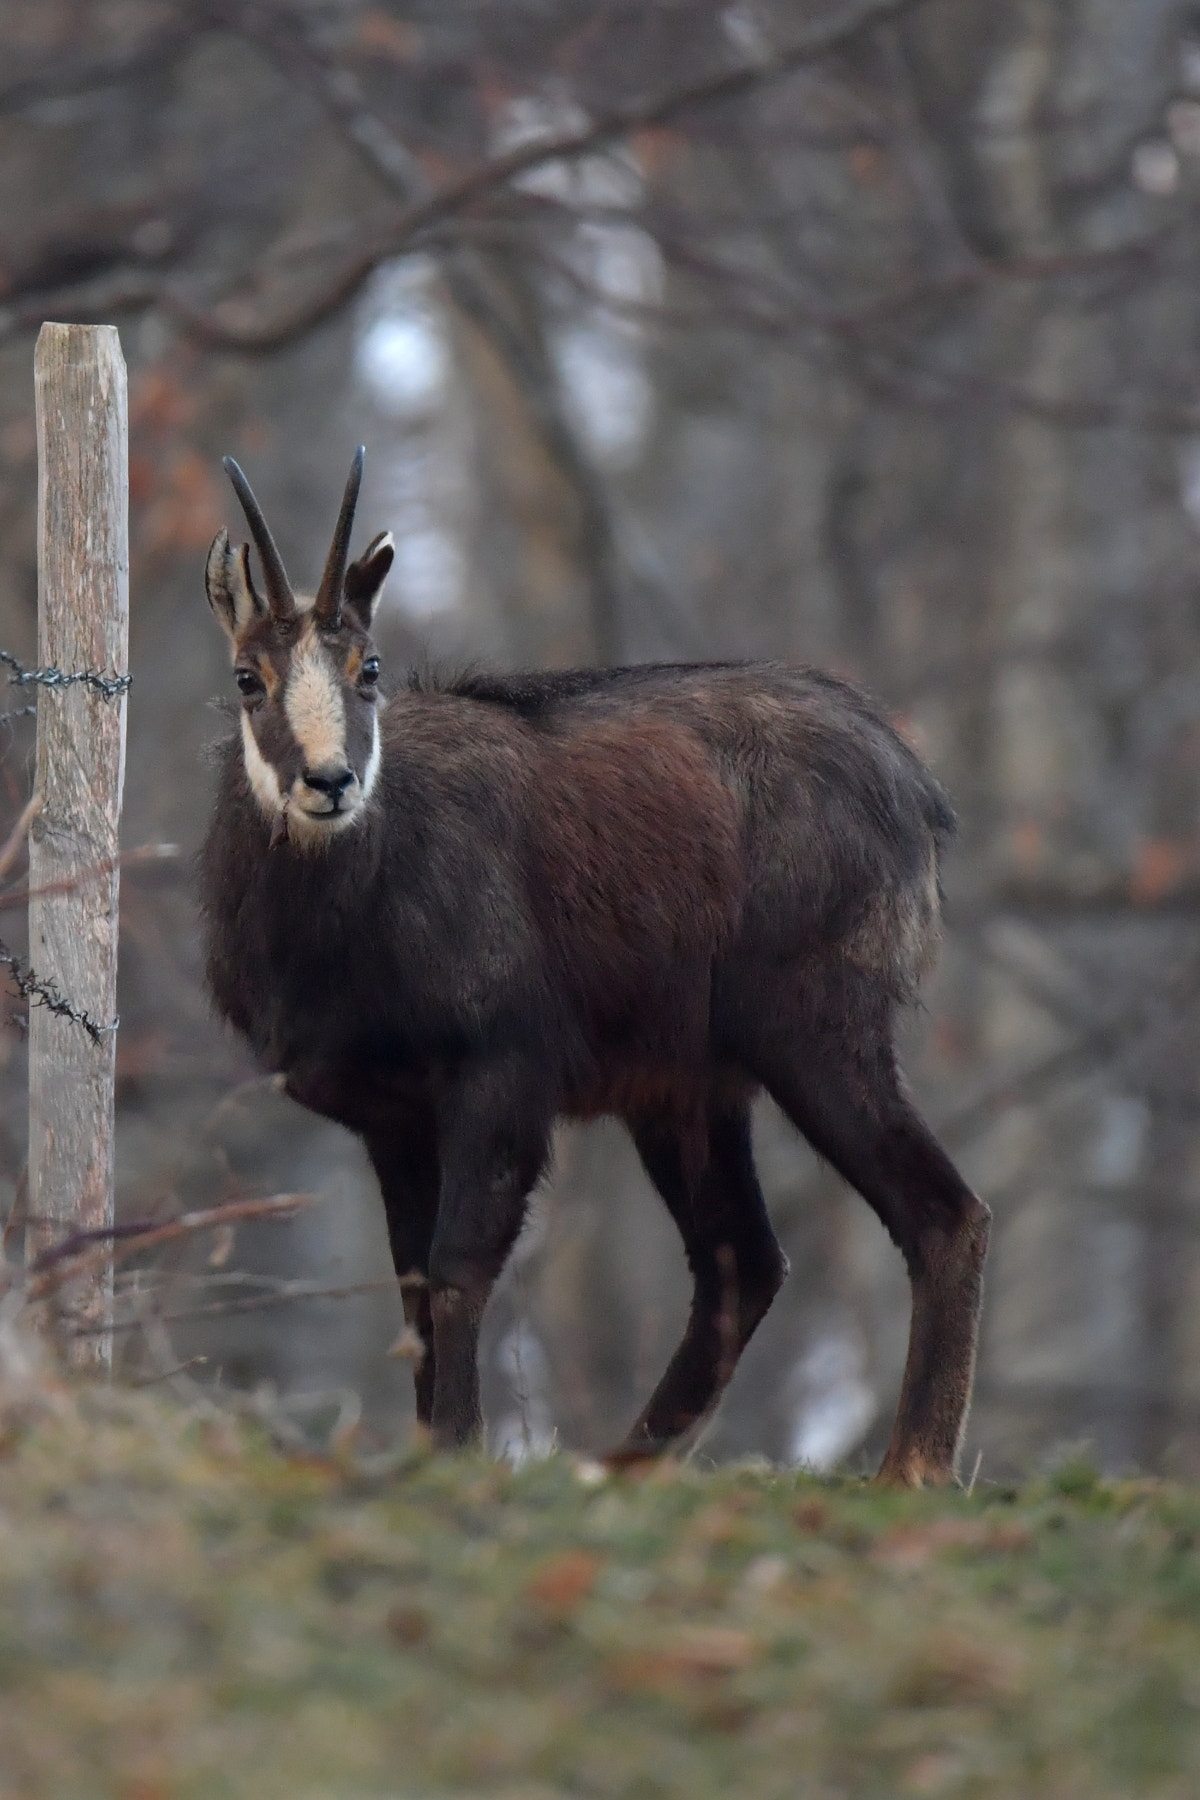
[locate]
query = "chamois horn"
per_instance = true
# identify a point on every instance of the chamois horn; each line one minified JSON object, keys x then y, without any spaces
{"x":327,"y":608}
{"x":279,"y":589}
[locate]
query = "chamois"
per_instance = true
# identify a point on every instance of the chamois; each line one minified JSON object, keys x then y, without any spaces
{"x":449,"y":918}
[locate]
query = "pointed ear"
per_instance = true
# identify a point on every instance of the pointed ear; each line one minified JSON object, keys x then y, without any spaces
{"x":231,"y":592}
{"x":365,"y":578}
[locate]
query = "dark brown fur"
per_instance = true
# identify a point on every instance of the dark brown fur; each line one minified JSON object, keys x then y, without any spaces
{"x":644,"y":891}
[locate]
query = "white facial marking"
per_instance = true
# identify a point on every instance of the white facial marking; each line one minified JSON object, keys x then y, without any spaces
{"x":316,"y":712}
{"x":314,"y":706}
{"x":371,"y":772}
{"x":311,"y":829}
{"x":264,"y":782}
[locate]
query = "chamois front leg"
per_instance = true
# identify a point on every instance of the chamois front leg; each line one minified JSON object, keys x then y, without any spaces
{"x":405,"y":1159}
{"x":493,"y":1134}
{"x":735,"y":1260}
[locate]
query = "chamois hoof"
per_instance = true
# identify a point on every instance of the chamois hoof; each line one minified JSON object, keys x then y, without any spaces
{"x":913,"y":1471}
{"x":636,"y":1456}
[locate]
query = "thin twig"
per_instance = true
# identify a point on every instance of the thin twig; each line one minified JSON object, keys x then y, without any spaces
{"x":191,"y":1362}
{"x":10,"y":849}
{"x":64,"y":1261}
{"x":128,"y":859}
{"x":287,"y":1294}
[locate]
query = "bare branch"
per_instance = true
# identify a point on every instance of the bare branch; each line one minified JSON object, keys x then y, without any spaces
{"x":92,"y":302}
{"x":65,"y":1260}
{"x":470,"y":287}
{"x":128,"y":859}
{"x":281,"y":36}
{"x":61,"y":81}
{"x":223,"y":327}
{"x":272,"y":1295}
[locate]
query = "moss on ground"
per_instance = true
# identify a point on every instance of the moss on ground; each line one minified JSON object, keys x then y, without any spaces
{"x":187,"y":1614}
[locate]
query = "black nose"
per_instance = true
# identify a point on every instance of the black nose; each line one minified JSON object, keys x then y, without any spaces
{"x":330,"y":779}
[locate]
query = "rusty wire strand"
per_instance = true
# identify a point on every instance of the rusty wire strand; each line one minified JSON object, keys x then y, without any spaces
{"x":29,"y":985}
{"x":39,"y":992}
{"x":109,"y":687}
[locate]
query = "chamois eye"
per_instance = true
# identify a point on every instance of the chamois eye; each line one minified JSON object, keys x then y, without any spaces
{"x":249,"y":683}
{"x":370,"y":670}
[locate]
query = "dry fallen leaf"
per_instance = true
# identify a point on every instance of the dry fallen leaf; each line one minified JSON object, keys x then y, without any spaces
{"x":562,"y":1583}
{"x":696,"y":1653}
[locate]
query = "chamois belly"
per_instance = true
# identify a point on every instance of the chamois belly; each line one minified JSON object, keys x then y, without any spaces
{"x":357,"y":1091}
{"x":643,"y":1090}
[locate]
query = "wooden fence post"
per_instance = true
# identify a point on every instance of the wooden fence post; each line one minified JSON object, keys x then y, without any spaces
{"x":83,"y":625}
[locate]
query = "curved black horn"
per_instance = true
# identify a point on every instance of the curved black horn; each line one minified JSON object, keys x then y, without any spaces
{"x":327,"y":607}
{"x":279,"y":588}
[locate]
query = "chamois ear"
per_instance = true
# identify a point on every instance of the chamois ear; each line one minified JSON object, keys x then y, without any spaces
{"x":365,"y":578}
{"x":231,"y":591}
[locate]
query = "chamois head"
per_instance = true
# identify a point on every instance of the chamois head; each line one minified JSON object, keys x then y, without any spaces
{"x":306,"y":670}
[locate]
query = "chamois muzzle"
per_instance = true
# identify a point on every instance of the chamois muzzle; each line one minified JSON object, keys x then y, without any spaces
{"x":332,"y":780}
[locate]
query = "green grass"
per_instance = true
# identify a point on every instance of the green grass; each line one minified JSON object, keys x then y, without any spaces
{"x":185,"y":1612}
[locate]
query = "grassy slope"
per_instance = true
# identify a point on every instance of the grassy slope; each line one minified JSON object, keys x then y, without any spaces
{"x":184,"y":1612}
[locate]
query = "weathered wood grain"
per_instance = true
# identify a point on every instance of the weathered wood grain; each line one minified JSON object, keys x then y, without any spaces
{"x":83,"y":623}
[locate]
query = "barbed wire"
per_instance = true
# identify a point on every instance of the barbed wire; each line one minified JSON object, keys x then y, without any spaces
{"x":109,"y":687}
{"x":34,"y":988}
{"x":39,"y":992}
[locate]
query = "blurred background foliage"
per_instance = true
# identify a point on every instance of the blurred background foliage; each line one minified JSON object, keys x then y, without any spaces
{"x":862,"y":333}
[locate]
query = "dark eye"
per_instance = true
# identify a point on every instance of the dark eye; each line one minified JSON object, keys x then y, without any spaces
{"x":370,"y":670}
{"x":249,"y":683}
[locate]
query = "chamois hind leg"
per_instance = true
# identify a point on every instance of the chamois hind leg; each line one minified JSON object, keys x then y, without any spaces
{"x":848,"y":1100}
{"x":735,"y":1260}
{"x":405,"y":1161}
{"x":493,"y":1137}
